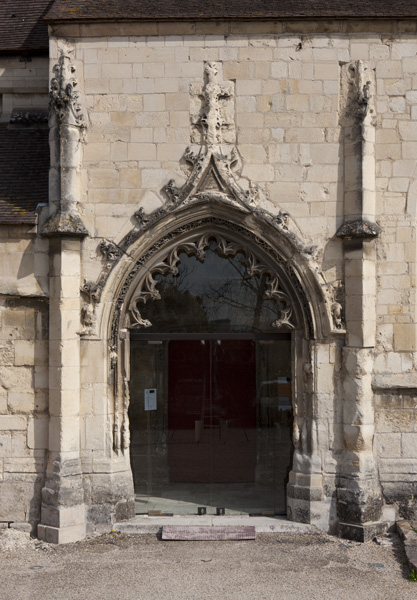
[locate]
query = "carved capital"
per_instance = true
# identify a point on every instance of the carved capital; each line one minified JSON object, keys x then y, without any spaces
{"x":359,"y":229}
{"x":64,"y":224}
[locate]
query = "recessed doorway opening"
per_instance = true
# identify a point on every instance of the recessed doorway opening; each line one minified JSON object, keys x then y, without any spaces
{"x":211,"y":423}
{"x":211,"y":389}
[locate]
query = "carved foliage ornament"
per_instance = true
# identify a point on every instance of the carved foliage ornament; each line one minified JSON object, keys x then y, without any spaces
{"x":253,"y":268}
{"x":92,"y":291}
{"x":215,"y":95}
{"x":211,"y":179}
{"x":65,"y":99}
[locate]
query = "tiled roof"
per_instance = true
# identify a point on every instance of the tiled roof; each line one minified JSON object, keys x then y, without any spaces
{"x":24,"y":165}
{"x":84,"y":10}
{"x":21,"y":25}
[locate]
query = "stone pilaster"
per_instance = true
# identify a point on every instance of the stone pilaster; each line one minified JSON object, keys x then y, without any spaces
{"x":314,"y":382}
{"x":359,"y":500}
{"x":63,"y":511}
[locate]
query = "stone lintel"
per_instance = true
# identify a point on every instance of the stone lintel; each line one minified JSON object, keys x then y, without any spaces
{"x":362,"y":533}
{"x":64,"y":224}
{"x":359,"y":229}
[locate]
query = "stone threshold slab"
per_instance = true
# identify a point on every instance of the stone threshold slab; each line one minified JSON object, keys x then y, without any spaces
{"x":144,"y":524}
{"x":207,"y":534}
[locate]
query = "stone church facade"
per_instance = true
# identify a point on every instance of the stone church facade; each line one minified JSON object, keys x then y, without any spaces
{"x":278,"y":146}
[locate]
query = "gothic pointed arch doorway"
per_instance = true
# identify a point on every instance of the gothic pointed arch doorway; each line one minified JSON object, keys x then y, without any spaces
{"x":211,"y":379}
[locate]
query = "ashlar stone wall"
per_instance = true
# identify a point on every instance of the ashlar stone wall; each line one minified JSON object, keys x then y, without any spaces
{"x":23,"y":83}
{"x":23,"y":374}
{"x":300,"y":150}
{"x":293,"y":144}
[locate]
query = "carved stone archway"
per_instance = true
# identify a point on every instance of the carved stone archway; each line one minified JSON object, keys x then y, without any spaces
{"x":302,"y":308}
{"x":215,"y":203}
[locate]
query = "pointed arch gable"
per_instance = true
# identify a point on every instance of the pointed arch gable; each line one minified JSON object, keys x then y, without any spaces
{"x":276,"y":252}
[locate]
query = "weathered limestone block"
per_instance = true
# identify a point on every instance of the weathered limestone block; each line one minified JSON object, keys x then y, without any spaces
{"x":38,"y":433}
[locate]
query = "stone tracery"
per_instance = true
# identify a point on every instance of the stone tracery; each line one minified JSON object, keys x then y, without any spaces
{"x":253,"y":268}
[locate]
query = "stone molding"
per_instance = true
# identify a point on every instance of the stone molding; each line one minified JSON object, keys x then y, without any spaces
{"x":64,"y":223}
{"x":208,"y":223}
{"x":212,"y":179}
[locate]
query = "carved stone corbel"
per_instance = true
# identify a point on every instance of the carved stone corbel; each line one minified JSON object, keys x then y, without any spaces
{"x":358,"y":229}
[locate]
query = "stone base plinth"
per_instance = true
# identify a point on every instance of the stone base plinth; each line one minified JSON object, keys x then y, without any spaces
{"x":61,"y":525}
{"x":363,"y":532}
{"x":61,"y":535}
{"x":306,"y":502}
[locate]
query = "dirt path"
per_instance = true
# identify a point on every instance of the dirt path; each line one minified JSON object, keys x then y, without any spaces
{"x":274,"y":567}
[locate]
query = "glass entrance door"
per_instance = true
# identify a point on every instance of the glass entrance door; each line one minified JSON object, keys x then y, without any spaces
{"x":210,"y":424}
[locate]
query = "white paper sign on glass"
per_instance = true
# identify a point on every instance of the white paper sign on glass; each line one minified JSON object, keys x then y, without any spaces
{"x":150,"y":399}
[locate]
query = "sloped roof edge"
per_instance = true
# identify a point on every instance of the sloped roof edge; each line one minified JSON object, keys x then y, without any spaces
{"x":186,"y":10}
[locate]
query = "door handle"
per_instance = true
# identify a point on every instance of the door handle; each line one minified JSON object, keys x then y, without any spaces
{"x":223,"y":430}
{"x":198,"y":429}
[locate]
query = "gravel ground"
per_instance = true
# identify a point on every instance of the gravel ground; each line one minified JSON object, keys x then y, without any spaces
{"x":274,"y":567}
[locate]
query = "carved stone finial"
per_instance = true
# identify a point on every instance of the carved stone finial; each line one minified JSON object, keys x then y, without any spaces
{"x":366,"y":91}
{"x":65,"y":100}
{"x":214,"y":93}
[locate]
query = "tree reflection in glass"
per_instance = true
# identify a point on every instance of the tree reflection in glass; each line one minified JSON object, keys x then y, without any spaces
{"x":213,"y":296}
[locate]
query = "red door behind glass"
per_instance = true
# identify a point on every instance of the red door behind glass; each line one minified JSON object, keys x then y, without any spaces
{"x":212,"y":411}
